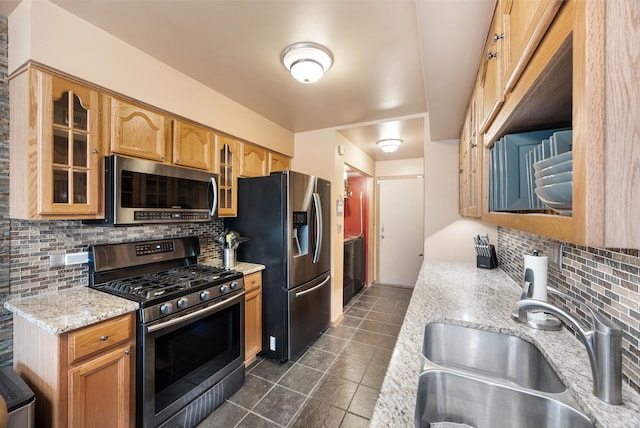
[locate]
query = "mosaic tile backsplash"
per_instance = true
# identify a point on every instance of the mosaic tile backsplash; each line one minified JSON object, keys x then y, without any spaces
{"x":608,"y":279}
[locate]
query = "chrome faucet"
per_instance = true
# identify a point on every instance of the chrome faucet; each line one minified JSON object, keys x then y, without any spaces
{"x":604,"y":345}
{"x":528,"y":289}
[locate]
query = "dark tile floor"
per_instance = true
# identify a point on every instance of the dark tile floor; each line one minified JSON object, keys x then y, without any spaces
{"x":335,"y":383}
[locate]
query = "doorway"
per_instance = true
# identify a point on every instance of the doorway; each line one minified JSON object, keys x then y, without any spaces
{"x":400,"y":230}
{"x":356,"y":232}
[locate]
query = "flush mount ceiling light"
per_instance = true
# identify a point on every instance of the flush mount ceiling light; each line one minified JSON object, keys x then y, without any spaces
{"x":307,"y":61}
{"x":389,"y":145}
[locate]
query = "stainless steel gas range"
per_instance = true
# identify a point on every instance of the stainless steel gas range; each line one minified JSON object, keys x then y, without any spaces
{"x":190,"y":326}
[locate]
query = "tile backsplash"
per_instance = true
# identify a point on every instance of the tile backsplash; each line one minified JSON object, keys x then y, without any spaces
{"x":608,"y":279}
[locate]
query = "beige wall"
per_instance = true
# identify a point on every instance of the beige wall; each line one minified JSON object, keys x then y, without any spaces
{"x":399,"y":168}
{"x":447,"y":235}
{"x":317,"y":154}
{"x":44,"y":32}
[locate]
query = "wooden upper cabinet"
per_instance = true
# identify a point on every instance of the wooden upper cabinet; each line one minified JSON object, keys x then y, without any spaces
{"x":278,"y":162}
{"x":229,"y":154}
{"x":490,"y":73}
{"x":469,"y":165}
{"x":193,"y":146}
{"x":583,"y":74}
{"x":253,"y":161}
{"x":524,"y":24}
{"x":55,"y":148}
{"x":136,"y":131}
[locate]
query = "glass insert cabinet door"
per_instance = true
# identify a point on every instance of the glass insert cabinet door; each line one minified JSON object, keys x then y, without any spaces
{"x":228,"y":155}
{"x":69,"y":166}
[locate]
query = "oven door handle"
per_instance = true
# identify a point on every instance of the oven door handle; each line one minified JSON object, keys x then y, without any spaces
{"x":203,"y":311}
{"x":302,"y":293}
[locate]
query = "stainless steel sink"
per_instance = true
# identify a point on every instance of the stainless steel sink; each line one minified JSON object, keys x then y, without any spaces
{"x":489,"y":355}
{"x":452,"y":397}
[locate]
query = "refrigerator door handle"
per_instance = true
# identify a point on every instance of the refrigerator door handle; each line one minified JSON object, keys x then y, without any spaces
{"x":318,"y":207}
{"x":302,"y":293}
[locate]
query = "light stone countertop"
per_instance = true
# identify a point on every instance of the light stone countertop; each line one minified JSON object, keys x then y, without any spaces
{"x":61,"y":311}
{"x":460,"y":293}
{"x":244,"y":268}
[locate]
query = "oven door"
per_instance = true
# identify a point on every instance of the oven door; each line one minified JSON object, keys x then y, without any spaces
{"x":184,"y":356}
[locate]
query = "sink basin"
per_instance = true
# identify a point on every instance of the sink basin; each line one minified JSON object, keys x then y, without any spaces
{"x":489,"y":355}
{"x":451,"y":397}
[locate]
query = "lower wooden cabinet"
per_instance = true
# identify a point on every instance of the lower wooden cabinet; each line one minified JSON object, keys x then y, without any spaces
{"x":99,"y":391}
{"x":83,"y":378}
{"x":253,"y":316}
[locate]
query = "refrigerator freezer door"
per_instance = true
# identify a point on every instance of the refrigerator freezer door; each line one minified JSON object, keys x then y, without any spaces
{"x":309,"y":314}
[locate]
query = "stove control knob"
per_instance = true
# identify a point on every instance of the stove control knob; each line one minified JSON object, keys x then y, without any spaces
{"x":205,"y":295}
{"x":224,"y":289}
{"x":182,"y":302}
{"x":166,"y":308}
{"x":234,"y":285}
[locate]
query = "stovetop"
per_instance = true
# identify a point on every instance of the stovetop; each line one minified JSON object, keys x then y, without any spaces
{"x":162,"y":275}
{"x":159,"y":286}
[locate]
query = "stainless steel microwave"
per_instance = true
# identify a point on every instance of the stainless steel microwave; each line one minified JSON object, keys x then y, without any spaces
{"x":141,"y":192}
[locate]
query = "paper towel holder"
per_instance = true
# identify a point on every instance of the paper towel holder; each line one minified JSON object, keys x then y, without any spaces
{"x":548,"y":322}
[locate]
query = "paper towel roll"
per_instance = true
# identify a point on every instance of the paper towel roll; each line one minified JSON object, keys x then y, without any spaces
{"x":538,"y":264}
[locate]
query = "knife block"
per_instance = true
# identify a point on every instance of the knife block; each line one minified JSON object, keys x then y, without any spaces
{"x":488,"y":262}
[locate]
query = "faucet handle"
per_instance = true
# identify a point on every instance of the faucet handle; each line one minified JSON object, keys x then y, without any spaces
{"x":600,"y":322}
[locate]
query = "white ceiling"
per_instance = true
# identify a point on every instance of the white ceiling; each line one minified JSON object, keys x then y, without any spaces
{"x":390,"y":56}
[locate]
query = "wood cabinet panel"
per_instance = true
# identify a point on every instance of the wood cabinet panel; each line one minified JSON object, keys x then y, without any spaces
{"x":99,"y":391}
{"x":229,"y":154}
{"x":253,"y":161}
{"x":95,"y":391}
{"x":278,"y":162}
{"x":193,"y":146}
{"x":490,"y":74}
{"x":253,"y":316}
{"x":99,"y":337}
{"x":136,"y":131}
{"x":582,"y":73}
{"x":55,"y":148}
{"x":524,"y":24}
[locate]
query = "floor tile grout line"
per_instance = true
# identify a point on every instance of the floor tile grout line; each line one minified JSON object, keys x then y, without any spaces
{"x":347,"y":341}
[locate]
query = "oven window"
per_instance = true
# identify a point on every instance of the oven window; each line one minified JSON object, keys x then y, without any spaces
{"x":139,"y":190}
{"x":191,"y":354}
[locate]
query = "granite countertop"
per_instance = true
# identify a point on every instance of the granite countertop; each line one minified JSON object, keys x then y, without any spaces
{"x":460,"y":293}
{"x":244,"y":268}
{"x":61,"y":311}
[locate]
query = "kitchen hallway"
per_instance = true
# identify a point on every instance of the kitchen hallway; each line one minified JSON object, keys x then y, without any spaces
{"x":335,"y":383}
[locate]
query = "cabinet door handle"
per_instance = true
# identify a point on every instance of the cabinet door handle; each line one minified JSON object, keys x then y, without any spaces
{"x":94,"y":151}
{"x":104,"y":338}
{"x":127,"y":351}
{"x":497,"y":37}
{"x":492,"y":55}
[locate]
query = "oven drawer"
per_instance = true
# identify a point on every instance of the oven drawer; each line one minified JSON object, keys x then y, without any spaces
{"x":98,"y":337}
{"x":253,"y":281}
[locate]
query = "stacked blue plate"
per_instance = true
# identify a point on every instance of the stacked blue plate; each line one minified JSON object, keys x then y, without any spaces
{"x":554,"y":182}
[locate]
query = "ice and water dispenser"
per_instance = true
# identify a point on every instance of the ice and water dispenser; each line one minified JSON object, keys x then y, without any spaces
{"x":300,"y":235}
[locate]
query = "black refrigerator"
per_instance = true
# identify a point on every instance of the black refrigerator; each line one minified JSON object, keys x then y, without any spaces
{"x":286,"y":217}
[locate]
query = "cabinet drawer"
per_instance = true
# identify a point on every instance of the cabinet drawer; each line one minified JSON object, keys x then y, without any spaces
{"x":253,"y":281}
{"x":99,"y":337}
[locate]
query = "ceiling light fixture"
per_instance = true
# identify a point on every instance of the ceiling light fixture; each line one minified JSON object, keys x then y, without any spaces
{"x":307,"y":61}
{"x":389,"y":145}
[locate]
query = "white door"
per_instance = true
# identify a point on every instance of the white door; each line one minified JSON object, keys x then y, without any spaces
{"x":400,"y":230}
